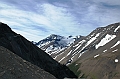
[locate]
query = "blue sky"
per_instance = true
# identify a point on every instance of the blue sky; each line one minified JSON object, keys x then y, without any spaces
{"x":37,"y":19}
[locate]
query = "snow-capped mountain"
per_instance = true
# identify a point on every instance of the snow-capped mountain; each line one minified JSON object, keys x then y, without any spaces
{"x":56,"y":43}
{"x":99,"y":41}
{"x":97,"y":55}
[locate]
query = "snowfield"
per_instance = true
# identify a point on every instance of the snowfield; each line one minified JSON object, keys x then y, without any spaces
{"x":105,"y":40}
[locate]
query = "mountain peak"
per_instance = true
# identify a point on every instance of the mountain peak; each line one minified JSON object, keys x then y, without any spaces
{"x":53,"y":35}
{"x":4,"y":28}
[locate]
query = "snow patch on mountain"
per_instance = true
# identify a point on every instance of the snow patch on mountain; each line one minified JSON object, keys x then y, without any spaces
{"x":61,"y":59}
{"x":116,"y":44}
{"x":105,"y":50}
{"x":81,"y":54}
{"x":83,"y":50}
{"x":115,"y":50}
{"x":49,"y":48}
{"x":105,"y":40}
{"x":96,"y":55}
{"x":79,"y":44}
{"x":43,"y":44}
{"x":69,"y":53}
{"x":116,"y":60}
{"x":58,"y":55}
{"x":117,"y":28}
{"x":92,"y":39}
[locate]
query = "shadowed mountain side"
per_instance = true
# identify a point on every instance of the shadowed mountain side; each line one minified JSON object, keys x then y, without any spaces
{"x":30,"y":52}
{"x":14,"y":67}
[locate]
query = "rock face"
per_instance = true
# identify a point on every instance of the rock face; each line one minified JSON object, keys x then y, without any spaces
{"x":30,"y":52}
{"x":14,"y":67}
{"x":97,"y":55}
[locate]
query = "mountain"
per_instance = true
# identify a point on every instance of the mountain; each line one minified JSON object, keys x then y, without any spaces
{"x":31,"y":53}
{"x":14,"y":67}
{"x":97,"y":55}
{"x":99,"y":37}
{"x":55,"y":44}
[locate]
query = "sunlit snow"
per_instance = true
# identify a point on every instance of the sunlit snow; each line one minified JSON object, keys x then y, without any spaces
{"x":96,"y":55}
{"x":92,"y":39}
{"x":81,"y":42}
{"x":105,"y":40}
{"x":117,"y":28}
{"x":105,"y":50}
{"x":59,"y":54}
{"x":49,"y":48}
{"x":116,"y":44}
{"x":116,"y":60}
{"x":115,"y":50}
{"x":61,"y":59}
{"x":69,"y":53}
{"x":40,"y":45}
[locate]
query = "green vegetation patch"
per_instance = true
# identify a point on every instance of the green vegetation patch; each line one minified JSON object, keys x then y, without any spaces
{"x":74,"y":67}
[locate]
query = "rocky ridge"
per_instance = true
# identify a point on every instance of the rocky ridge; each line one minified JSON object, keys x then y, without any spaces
{"x":31,"y":53}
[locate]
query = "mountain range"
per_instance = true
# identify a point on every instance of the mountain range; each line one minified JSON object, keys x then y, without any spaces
{"x":94,"y":56}
{"x":21,"y":58}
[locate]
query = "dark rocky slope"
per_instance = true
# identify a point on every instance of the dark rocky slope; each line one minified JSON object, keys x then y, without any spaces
{"x":29,"y":52}
{"x":14,"y":67}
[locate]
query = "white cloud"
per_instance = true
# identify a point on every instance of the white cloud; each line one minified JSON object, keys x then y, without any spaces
{"x":73,"y":17}
{"x":53,"y":19}
{"x":109,"y":2}
{"x":95,"y":13}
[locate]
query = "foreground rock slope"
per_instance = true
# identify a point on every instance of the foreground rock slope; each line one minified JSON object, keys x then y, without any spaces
{"x":14,"y":67}
{"x":30,"y":52}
